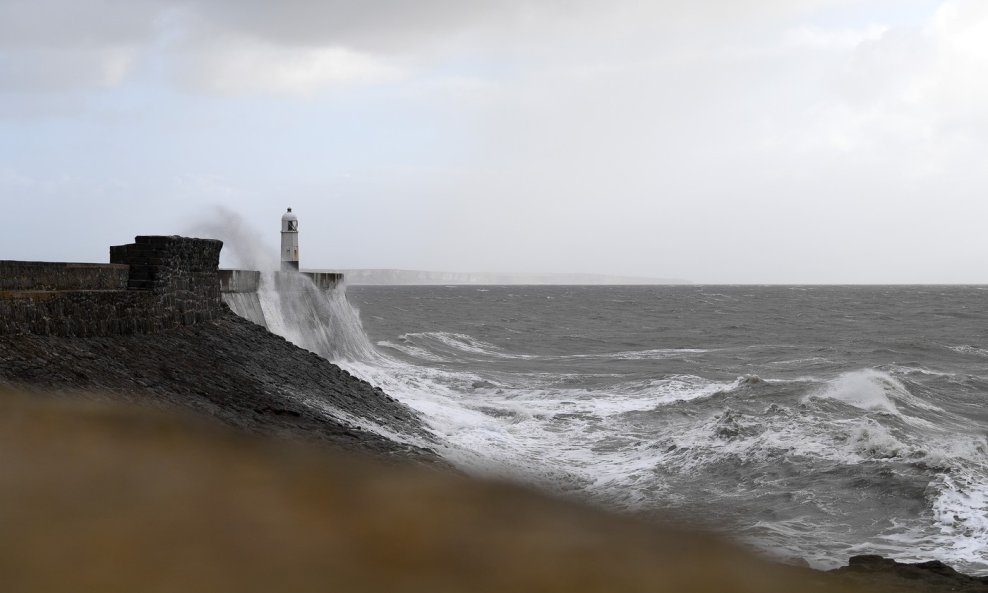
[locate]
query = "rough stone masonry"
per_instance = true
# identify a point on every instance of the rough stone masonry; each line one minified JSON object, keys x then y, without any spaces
{"x":155,"y":283}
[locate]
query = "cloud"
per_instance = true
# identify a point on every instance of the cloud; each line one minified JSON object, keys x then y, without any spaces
{"x":720,"y":140}
{"x":53,"y":70}
{"x":245,"y":65}
{"x":77,"y":24}
{"x":301,"y":46}
{"x":917,"y":93}
{"x":817,"y":38}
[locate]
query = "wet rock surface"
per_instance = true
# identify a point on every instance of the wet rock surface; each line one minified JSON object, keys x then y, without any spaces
{"x":919,"y":577}
{"x":228,"y":369}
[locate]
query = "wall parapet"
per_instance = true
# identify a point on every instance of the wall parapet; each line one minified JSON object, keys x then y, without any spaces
{"x":325,"y":280}
{"x":239,"y":280}
{"x":246,"y":281}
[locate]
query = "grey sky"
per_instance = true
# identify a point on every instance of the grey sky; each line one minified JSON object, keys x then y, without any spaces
{"x":718,"y":140}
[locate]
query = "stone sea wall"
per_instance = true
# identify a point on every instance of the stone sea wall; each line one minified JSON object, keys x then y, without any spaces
{"x":325,"y":280}
{"x":156,"y":283}
{"x":239,"y":281}
{"x":34,"y":275}
{"x":239,"y":288}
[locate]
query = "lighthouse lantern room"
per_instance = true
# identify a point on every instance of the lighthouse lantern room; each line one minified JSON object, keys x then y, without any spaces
{"x":289,"y":242}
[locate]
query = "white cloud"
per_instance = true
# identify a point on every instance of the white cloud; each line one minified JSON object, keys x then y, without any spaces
{"x":298,"y":46}
{"x":737,"y":140}
{"x":920,"y":94}
{"x":243,"y":65}
{"x":824,"y":39}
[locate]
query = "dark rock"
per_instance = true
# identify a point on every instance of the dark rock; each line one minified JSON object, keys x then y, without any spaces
{"x":227,"y":368}
{"x":933,"y":576}
{"x":277,"y":411}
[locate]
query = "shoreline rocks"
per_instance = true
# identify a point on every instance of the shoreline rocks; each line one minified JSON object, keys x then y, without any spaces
{"x":229,"y":369}
{"x":920,"y":577}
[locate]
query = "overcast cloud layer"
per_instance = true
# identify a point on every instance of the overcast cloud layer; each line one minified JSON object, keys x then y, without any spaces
{"x":719,"y":140}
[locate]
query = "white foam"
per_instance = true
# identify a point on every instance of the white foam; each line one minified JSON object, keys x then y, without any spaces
{"x":461,"y":343}
{"x":320,"y":321}
{"x":801,"y":361}
{"x":366,"y":424}
{"x":469,"y":344}
{"x":672,"y":389}
{"x":873,"y":441}
{"x":972,"y":350}
{"x":413,"y":351}
{"x":866,"y":389}
{"x":653,"y":354}
{"x":960,"y":509}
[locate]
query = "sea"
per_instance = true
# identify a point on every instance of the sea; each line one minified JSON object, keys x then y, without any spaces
{"x":812,"y":423}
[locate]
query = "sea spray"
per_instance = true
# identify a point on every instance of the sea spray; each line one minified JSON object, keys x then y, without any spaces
{"x":241,"y":240}
{"x":318,"y":320}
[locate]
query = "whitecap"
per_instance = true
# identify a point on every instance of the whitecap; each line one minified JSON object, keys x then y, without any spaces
{"x":867,"y":389}
{"x":413,"y":351}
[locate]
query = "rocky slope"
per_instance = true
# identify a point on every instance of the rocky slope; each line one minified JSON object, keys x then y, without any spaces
{"x":918,"y":577}
{"x":229,"y":369}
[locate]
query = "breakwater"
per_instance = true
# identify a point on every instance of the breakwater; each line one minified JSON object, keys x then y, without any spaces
{"x":307,"y":309}
{"x":241,"y":290}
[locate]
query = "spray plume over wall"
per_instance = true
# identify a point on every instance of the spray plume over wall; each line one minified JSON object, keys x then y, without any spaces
{"x":241,"y":240}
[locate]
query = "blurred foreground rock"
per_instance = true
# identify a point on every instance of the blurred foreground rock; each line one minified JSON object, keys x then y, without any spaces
{"x":104,"y":497}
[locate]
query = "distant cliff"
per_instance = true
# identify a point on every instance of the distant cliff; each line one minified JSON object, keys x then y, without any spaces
{"x":423,"y":277}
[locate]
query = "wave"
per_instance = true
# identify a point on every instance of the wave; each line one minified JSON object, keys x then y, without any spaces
{"x":319,"y":321}
{"x":970,"y":350}
{"x":960,"y":510}
{"x":413,"y":351}
{"x":866,"y":389}
{"x":456,"y":342}
{"x":653,"y":354}
{"x":651,"y":441}
{"x":872,"y":389}
{"x":429,"y":342}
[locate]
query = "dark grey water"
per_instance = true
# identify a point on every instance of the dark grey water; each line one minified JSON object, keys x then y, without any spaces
{"x":816,"y":422}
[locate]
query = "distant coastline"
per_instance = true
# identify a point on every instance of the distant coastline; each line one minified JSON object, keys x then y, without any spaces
{"x":389,"y":277}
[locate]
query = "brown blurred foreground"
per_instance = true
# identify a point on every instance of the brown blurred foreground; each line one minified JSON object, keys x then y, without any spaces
{"x":105,"y":497}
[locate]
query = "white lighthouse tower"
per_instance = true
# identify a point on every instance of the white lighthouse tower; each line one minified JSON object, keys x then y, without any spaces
{"x":289,"y":242}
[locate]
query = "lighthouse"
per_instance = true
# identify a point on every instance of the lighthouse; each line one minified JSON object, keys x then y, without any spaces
{"x":289,"y":242}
